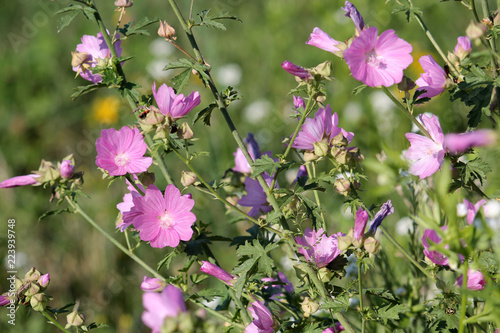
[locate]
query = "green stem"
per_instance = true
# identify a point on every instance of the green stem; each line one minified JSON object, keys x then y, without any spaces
{"x":436,"y":46}
{"x":312,"y":174}
{"x":239,"y":304}
{"x":360,"y":288}
{"x":217,"y":314}
{"x":80,"y":211}
{"x":54,"y":321}
{"x":406,"y":112}
{"x":222,"y":107}
{"x":405,"y":253}
{"x":463,"y":305}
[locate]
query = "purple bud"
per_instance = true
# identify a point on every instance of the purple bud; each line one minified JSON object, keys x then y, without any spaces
{"x":218,"y":272}
{"x":463,"y":47}
{"x":298,"y":103}
{"x":152,"y":284}
{"x":66,"y":169}
{"x":19,"y":181}
{"x":4,"y":300}
{"x":44,"y":280}
{"x":360,"y":223}
{"x":384,"y":211}
{"x":296,"y":70}
{"x":353,"y":13}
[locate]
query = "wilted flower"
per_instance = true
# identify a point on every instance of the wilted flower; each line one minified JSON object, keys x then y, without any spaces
{"x":121,"y":152}
{"x":159,"y":306}
{"x":378,"y":61}
{"x":172,"y":105}
{"x":218,"y":272}
{"x":317,"y":247}
{"x":475,"y":280}
{"x":426,"y":154}
{"x":166,"y":30}
{"x":384,"y":211}
{"x":152,"y":284}
{"x":434,"y":78}
{"x":20,"y":181}
{"x":97,"y":53}
{"x":276,"y":288}
{"x":296,"y":70}
{"x":163,"y":220}
{"x":256,"y":197}
{"x":355,"y":16}
{"x":460,"y":143}
{"x":263,"y":319}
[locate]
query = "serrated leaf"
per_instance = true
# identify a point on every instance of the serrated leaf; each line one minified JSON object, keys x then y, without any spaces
{"x":382,"y":293}
{"x":166,"y":260}
{"x":476,"y":169}
{"x":136,"y":29}
{"x":336,"y":305}
{"x":181,"y":80}
{"x":264,"y":164}
{"x":81,"y":90}
{"x":210,"y":20}
{"x":392,"y":311}
{"x":205,"y":114}
{"x":359,"y":89}
{"x":65,"y":20}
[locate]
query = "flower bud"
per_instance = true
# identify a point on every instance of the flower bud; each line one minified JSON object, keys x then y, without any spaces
{"x":342,"y":186}
{"x":309,"y":306}
{"x":321,"y":148}
{"x":343,"y":242}
{"x":44,"y":280}
{"x":74,"y":319}
{"x":152,"y":284}
{"x":324,"y":69}
{"x":325,"y":274}
{"x":310,"y":156}
{"x":124,"y":3}
{"x":217,"y":272}
{"x":38,"y":302}
{"x":66,"y":169}
{"x":339,"y":140}
{"x":340,"y":154}
{"x":33,"y":275}
{"x":372,"y":245}
{"x":475,"y":30}
{"x":166,"y":31}
{"x":188,"y":178}
{"x":184,"y":131}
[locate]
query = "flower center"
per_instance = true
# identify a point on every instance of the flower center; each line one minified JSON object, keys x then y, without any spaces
{"x":374,"y":60}
{"x":166,"y":221}
{"x":122,"y":159}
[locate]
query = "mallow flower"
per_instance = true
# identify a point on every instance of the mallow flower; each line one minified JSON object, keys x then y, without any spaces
{"x":172,"y":105}
{"x":263,"y":318}
{"x":152,"y":284}
{"x":434,"y":78}
{"x":378,"y":60}
{"x":93,"y":51}
{"x":472,"y":209}
{"x":317,"y":247}
{"x":159,"y":306}
{"x":121,"y":152}
{"x":163,"y":220}
{"x":296,"y":70}
{"x":323,"y":41}
{"x":430,"y":236}
{"x":426,"y":154}
{"x":241,"y":163}
{"x":216,"y":271}
{"x":459,"y":143}
{"x":475,"y":280}
{"x":256,"y":197}
{"x":126,"y":206}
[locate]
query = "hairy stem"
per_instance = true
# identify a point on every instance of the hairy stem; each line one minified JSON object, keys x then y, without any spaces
{"x":54,"y":321}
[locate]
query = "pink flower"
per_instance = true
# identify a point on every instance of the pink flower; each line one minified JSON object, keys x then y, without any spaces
{"x":159,"y":306}
{"x":125,"y":207}
{"x":172,"y":105}
{"x":121,"y":152}
{"x":355,"y":16}
{"x":256,"y":197}
{"x":360,"y":223}
{"x":296,"y":70}
{"x":460,"y":143}
{"x":20,"y":181}
{"x":337,"y":328}
{"x":241,"y":163}
{"x":434,"y":256}
{"x":298,"y":103}
{"x":433,"y":80}
{"x":97,"y":52}
{"x":475,"y":280}
{"x":463,"y":47}
{"x":472,"y":209}
{"x":218,"y":272}
{"x":4,"y":300}
{"x":323,"y":41}
{"x":163,"y":220}
{"x":152,"y":284}
{"x":44,"y":280}
{"x":263,"y":319}
{"x":317,"y":247}
{"x":378,"y":61}
{"x":426,"y":154}
{"x":66,"y":169}
{"x":317,"y":133}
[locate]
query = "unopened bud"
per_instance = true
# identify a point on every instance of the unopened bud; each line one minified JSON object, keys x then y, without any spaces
{"x":309,"y":306}
{"x":372,"y":245}
{"x":32,"y":289}
{"x":406,"y":84}
{"x":475,"y":30}
{"x":341,"y":155}
{"x":66,"y":169}
{"x":33,"y":275}
{"x":344,"y":241}
{"x":325,"y":274}
{"x":124,"y":3}
{"x":166,"y":30}
{"x":184,"y":131}
{"x":310,"y":156}
{"x":44,"y":280}
{"x":38,"y":302}
{"x":324,"y":69}
{"x":151,"y":116}
{"x":188,"y":178}
{"x":339,"y":140}
{"x":74,"y":319}
{"x":321,"y":148}
{"x":342,"y":186}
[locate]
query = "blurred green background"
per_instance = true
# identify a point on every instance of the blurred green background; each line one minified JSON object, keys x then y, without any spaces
{"x":40,"y":121}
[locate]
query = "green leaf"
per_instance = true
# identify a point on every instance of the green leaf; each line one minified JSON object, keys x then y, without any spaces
{"x":166,"y":261}
{"x":81,"y":90}
{"x":180,"y":81}
{"x":264,"y":164}
{"x":205,"y":114}
{"x":382,"y":293}
{"x":65,"y":20}
{"x":209,"y":21}
{"x":337,"y":305}
{"x":54,"y":212}
{"x":392,"y":311}
{"x":359,"y":89}
{"x":137,"y":29}
{"x":476,"y":169}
